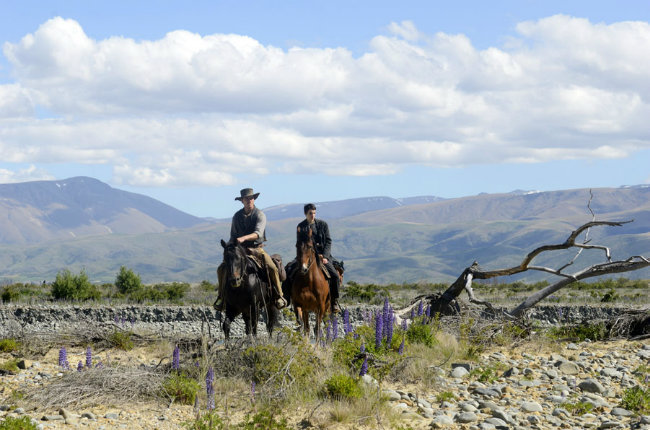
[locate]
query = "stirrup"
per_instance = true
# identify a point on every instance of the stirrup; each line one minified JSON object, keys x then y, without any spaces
{"x":280,"y":303}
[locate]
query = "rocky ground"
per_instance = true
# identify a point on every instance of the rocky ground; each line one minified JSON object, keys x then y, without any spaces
{"x":531,"y":386}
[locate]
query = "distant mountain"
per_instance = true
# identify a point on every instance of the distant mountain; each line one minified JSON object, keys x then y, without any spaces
{"x":425,"y":241}
{"x":344,"y":208}
{"x":32,"y":212}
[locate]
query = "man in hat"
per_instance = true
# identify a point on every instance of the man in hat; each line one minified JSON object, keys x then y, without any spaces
{"x":320,"y":234}
{"x":248,"y":227}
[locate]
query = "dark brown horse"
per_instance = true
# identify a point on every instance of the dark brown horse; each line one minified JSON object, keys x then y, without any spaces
{"x":310,"y":291}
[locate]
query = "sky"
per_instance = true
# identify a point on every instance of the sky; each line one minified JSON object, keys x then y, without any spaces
{"x":312,"y":101}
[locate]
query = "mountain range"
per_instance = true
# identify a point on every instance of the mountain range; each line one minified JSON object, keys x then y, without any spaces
{"x":82,"y":223}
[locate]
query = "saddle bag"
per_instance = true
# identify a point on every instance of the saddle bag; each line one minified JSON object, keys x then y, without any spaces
{"x":277,"y":259}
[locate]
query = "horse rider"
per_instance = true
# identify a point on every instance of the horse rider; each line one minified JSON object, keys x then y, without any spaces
{"x":320,"y":235}
{"x":248,"y":227}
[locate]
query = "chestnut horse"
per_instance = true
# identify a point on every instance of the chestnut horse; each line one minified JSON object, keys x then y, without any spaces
{"x":310,"y":291}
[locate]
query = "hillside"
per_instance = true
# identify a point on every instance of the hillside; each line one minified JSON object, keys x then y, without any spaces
{"x":32,"y":212}
{"x":431,"y":242}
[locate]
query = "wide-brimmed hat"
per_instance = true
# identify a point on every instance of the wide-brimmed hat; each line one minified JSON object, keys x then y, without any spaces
{"x":247,"y":192}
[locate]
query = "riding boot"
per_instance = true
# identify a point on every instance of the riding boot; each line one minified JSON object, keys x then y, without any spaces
{"x":280,"y":302}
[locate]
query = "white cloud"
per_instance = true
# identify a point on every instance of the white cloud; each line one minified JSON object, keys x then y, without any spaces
{"x":31,"y":173}
{"x":205,"y":110}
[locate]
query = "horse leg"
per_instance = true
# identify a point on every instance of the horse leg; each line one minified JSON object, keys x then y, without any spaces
{"x":305,"y":323}
{"x":230,"y":316}
{"x":271,"y":318}
{"x":255,"y":312}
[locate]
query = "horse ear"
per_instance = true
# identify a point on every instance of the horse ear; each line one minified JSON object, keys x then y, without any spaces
{"x":223,"y":243}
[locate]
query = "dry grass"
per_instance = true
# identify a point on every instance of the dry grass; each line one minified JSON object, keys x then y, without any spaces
{"x":98,"y":386}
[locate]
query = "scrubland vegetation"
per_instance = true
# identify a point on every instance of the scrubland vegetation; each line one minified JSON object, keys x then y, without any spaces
{"x":128,"y":288}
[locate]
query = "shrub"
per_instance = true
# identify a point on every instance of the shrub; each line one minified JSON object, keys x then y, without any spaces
{"x":342,"y":387}
{"x":181,"y":388}
{"x":147,"y":293}
{"x":9,"y":294}
{"x":580,"y":332}
{"x":445,"y":396}
{"x":10,"y":365}
{"x":15,"y":423}
{"x":636,"y":399}
{"x":206,"y":285}
{"x":207,"y":421}
{"x":121,"y":340}
{"x":264,"y":420}
{"x":67,"y":286}
{"x":424,"y":334}
{"x":127,"y":282}
{"x":174,"y":291}
{"x":9,"y":345}
{"x":578,"y":408}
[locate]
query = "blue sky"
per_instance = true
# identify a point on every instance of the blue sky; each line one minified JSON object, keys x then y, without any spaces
{"x":318,"y":101}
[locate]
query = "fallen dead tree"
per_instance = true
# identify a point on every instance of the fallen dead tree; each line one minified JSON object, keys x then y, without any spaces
{"x":447,"y":304}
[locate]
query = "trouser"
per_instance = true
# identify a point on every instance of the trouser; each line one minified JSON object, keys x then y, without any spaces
{"x":272,"y":269}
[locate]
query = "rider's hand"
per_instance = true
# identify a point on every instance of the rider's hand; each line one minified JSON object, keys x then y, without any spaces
{"x":325,"y":260}
{"x":241,"y":239}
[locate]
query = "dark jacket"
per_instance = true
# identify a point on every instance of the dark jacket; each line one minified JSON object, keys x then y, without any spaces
{"x":320,"y":235}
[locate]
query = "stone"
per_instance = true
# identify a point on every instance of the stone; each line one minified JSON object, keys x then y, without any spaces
{"x":89,"y":415}
{"x":112,"y":416}
{"x":459,"y":372}
{"x":392,"y":395}
{"x":466,"y":417}
{"x":487,"y":392}
{"x":620,"y":412}
{"x":52,"y":418}
{"x":569,"y":368}
{"x":609,"y":425}
{"x":441,"y":421}
{"x":531,"y":407}
{"x":24,"y":364}
{"x":591,"y":385}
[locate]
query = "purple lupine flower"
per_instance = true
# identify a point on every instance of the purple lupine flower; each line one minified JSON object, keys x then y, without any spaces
{"x":209,"y":388}
{"x":347,"y":327}
{"x":176,"y":358}
{"x":253,"y":391}
{"x":364,"y":366}
{"x":427,"y":313}
{"x":328,"y":332}
{"x":197,"y":364}
{"x":400,"y":351}
{"x":362,"y":349}
{"x":63,"y":357}
{"x":412,"y":313}
{"x":123,"y":321}
{"x":80,"y":366}
{"x":89,"y":358}
{"x":335,"y":328}
{"x":99,"y":365}
{"x":389,"y":329}
{"x":385,"y":315}
{"x":405,"y":324}
{"x":378,"y":331}
{"x":420,"y":308}
{"x":116,"y":319}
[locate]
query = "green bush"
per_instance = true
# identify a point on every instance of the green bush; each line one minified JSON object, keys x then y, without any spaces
{"x":342,"y":387}
{"x":207,"y":421}
{"x":580,"y":332}
{"x":174,"y":291}
{"x":9,"y":345}
{"x":9,"y":293}
{"x":636,"y":399}
{"x":67,"y":286}
{"x":121,"y":340}
{"x":15,"y":423}
{"x":147,"y":293}
{"x":264,"y":420}
{"x":181,"y":388}
{"x":127,"y":282}
{"x":578,"y":408}
{"x":424,"y":334}
{"x":206,"y":285}
{"x":10,"y":365}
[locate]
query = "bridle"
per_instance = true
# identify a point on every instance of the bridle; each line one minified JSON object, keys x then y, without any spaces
{"x":242,"y":263}
{"x":312,"y":254}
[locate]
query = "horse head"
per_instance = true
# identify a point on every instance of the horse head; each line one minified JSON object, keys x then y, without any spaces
{"x":306,"y":252}
{"x":234,"y":259}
